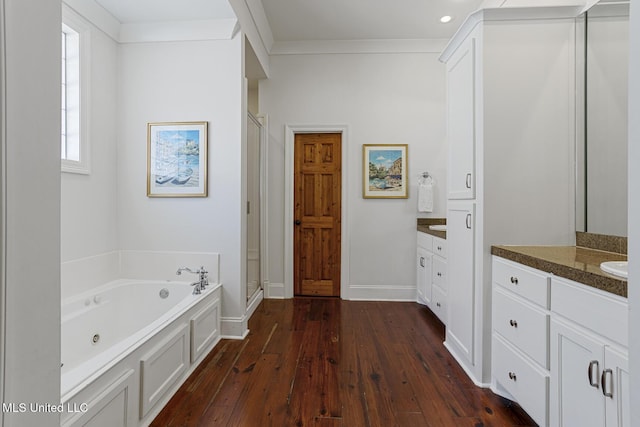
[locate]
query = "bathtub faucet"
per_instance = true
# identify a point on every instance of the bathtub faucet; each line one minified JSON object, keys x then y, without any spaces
{"x":202,"y":276}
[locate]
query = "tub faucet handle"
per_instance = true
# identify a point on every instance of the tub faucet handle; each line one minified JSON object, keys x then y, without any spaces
{"x":204,"y":278}
{"x":197,"y":288}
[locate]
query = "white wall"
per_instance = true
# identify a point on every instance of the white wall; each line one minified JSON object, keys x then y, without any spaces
{"x":383,"y":98}
{"x":634,"y":210}
{"x":88,"y":202}
{"x":31,"y":207}
{"x":185,"y":81}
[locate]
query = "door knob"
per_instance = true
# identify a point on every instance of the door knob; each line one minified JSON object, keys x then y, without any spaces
{"x":298,"y":222}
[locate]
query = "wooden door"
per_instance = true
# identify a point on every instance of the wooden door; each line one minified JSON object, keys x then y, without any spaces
{"x":317,"y":210}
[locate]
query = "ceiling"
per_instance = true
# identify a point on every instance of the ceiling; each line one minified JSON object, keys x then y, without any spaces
{"x":305,"y":20}
{"x":364,"y":19}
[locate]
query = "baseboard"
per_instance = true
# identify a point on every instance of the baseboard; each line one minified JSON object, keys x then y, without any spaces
{"x":380,"y":293}
{"x":273,"y":290}
{"x":253,"y":303}
{"x":464,"y":367}
{"x":234,"y":328}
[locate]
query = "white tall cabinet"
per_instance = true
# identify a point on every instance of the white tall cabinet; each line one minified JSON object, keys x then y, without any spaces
{"x":511,"y":135}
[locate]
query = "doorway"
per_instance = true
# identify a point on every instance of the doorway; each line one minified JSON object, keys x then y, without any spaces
{"x":317,"y":212}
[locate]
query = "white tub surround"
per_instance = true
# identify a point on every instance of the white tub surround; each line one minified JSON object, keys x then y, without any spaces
{"x":86,"y":274}
{"x":127,"y":347}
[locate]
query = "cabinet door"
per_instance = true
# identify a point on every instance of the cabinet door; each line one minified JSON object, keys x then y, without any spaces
{"x":615,"y":388}
{"x":423,"y":276}
{"x":460,"y":277}
{"x":461,"y":121}
{"x":576,"y":368}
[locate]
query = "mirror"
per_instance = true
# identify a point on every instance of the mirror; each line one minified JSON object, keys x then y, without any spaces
{"x":602,"y":160}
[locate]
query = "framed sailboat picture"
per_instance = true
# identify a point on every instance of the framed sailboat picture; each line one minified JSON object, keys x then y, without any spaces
{"x":384,"y":169}
{"x":177,"y":159}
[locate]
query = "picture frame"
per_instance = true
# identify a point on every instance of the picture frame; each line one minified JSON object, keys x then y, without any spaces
{"x":177,"y":159}
{"x":384,"y":171}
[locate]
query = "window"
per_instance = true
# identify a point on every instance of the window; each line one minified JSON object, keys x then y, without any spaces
{"x":74,"y":149}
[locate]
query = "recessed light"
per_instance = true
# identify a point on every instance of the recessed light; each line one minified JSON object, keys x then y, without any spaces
{"x":446,"y":19}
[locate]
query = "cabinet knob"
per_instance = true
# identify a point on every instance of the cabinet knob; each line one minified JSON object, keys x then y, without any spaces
{"x":439,"y":274}
{"x":514,"y":280}
{"x":512,"y":376}
{"x":439,"y":248}
{"x":513,"y":323}
{"x":438,"y":304}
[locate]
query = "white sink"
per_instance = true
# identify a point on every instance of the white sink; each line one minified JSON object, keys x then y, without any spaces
{"x":438,"y":227}
{"x":617,"y":268}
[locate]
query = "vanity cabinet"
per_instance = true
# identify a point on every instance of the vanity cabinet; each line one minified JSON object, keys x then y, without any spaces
{"x":439,"y":279}
{"x":423,"y":268}
{"x":589,"y":362}
{"x":511,"y":133}
{"x":461,"y":322}
{"x":461,"y":79}
{"x":520,"y":338}
{"x":559,"y":348}
{"x":431,"y":273}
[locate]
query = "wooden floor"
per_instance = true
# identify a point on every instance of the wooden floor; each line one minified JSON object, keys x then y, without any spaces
{"x":329,"y":363}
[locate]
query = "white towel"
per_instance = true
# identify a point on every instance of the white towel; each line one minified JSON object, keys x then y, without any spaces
{"x":425,"y":196}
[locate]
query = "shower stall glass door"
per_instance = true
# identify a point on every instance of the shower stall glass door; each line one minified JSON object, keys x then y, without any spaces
{"x":254,"y":132}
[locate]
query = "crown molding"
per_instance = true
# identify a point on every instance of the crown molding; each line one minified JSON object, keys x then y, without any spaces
{"x":254,"y":24}
{"x":97,"y":15}
{"x":506,"y":14}
{"x":319,"y":47}
{"x":211,"y":29}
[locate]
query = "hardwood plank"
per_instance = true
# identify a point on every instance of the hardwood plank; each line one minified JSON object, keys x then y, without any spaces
{"x":327,"y":362}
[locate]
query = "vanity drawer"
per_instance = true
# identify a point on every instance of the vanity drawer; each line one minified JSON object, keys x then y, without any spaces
{"x":602,"y":312}
{"x":439,"y":247}
{"x":425,"y":240}
{"x":524,"y":281}
{"x":439,"y":272}
{"x":523,"y":324}
{"x":439,"y":303}
{"x":528,"y":384}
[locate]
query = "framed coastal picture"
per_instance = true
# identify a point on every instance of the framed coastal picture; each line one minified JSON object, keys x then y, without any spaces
{"x":177,"y":159}
{"x":384,"y":171}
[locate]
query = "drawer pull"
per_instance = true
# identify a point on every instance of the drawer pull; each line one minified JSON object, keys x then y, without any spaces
{"x":421,"y":261}
{"x":514,"y":280}
{"x":590,"y":373}
{"x":512,"y":376}
{"x":513,"y":323}
{"x":467,"y":181}
{"x":604,"y":383}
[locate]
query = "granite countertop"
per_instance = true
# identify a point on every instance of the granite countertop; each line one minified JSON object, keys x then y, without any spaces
{"x":424,"y":223}
{"x":571,"y":262}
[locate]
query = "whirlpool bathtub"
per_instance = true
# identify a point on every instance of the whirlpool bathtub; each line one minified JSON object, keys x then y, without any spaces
{"x":123,"y":324}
